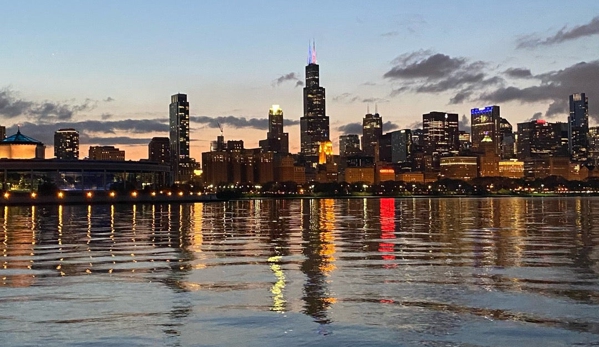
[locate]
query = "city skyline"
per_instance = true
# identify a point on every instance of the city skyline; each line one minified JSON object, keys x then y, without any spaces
{"x":401,"y":57}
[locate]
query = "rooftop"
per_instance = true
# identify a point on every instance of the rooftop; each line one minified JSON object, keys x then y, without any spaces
{"x":20,"y":138}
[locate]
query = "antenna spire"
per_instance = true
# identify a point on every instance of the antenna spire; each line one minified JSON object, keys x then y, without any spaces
{"x":313,"y":59}
{"x":367,"y":108}
{"x":376,"y":108}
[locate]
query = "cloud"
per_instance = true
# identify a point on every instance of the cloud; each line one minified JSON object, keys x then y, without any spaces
{"x":113,"y":141}
{"x":345,"y":97}
{"x":350,"y":128}
{"x":368,"y":84}
{"x":238,"y":122}
{"x":518,"y":73}
{"x":427,"y":72}
{"x":554,"y":87}
{"x":464,"y":123}
{"x":415,"y":125}
{"x":12,"y":106}
{"x":563,"y":35}
{"x":374,"y":100}
{"x":109,"y":99}
{"x":292,"y":76}
{"x":349,"y":98}
{"x":356,"y":128}
{"x":390,"y":34}
{"x":460,"y":97}
{"x":388,"y":126}
{"x":299,"y":84}
{"x":535,"y":116}
{"x":106,"y":116}
{"x":417,"y":65}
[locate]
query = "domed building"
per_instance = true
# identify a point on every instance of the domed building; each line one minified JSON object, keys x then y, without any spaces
{"x":19,"y":146}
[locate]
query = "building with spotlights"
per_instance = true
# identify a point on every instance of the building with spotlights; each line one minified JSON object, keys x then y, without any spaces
{"x":19,"y":146}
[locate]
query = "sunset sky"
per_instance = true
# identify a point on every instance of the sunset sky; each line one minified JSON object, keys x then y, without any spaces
{"x":108,"y":68}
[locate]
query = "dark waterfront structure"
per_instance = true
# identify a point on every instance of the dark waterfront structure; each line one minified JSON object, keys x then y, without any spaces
{"x":314,"y":125}
{"x":179,"y":138}
{"x":372,"y":131}
{"x":66,"y":144}
{"x":485,"y":121}
{"x":159,"y":150}
{"x":578,"y":127}
{"x":276,"y":139}
{"x":32,"y":174}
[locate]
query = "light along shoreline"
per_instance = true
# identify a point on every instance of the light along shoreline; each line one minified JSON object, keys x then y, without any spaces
{"x":93,"y":197}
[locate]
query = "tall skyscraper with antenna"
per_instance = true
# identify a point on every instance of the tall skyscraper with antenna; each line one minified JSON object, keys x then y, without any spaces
{"x":314,"y":125}
{"x":372,"y":131}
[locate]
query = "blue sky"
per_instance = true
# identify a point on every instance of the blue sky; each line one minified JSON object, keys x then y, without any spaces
{"x":118,"y":62}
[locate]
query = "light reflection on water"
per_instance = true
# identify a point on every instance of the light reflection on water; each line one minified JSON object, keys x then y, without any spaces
{"x":433,"y":272}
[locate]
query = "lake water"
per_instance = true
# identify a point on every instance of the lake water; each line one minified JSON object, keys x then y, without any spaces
{"x":327,"y":272}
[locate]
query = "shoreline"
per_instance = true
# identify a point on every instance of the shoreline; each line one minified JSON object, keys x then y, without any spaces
{"x":25,"y":200}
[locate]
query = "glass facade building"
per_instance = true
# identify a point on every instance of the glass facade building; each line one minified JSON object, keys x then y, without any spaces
{"x":314,"y":125}
{"x":578,"y":127}
{"x":179,"y":138}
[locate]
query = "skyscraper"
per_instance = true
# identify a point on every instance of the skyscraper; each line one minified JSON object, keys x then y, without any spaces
{"x":159,"y":150}
{"x":66,"y":144}
{"x":181,"y":165}
{"x":372,"y":131}
{"x":314,"y":125}
{"x":349,"y":145}
{"x":441,"y":136}
{"x":578,"y":127}
{"x":485,"y":121}
{"x":538,"y":139}
{"x":396,"y":146}
{"x":276,"y":139}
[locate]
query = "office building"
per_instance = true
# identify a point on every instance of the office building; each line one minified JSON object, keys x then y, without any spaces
{"x":459,"y":167}
{"x":181,"y":164}
{"x":349,"y":145}
{"x":594,"y":145}
{"x":372,"y":130}
{"x":396,"y":146}
{"x":276,"y":140}
{"x":539,"y":138}
{"x":441,"y":137}
{"x":314,"y":125}
{"x":106,"y":153}
{"x":66,"y":144}
{"x":485,"y":121}
{"x":507,"y":146}
{"x":159,"y":150}
{"x":578,"y":127}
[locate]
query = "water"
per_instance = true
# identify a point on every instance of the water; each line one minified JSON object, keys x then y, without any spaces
{"x":331,"y":272}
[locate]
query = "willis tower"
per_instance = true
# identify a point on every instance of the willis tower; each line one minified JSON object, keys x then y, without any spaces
{"x":314,"y":125}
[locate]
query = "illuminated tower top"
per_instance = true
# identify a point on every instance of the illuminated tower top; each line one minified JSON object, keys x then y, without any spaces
{"x":312,"y":53}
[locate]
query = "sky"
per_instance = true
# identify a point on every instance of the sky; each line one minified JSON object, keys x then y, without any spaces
{"x":108,"y":68}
